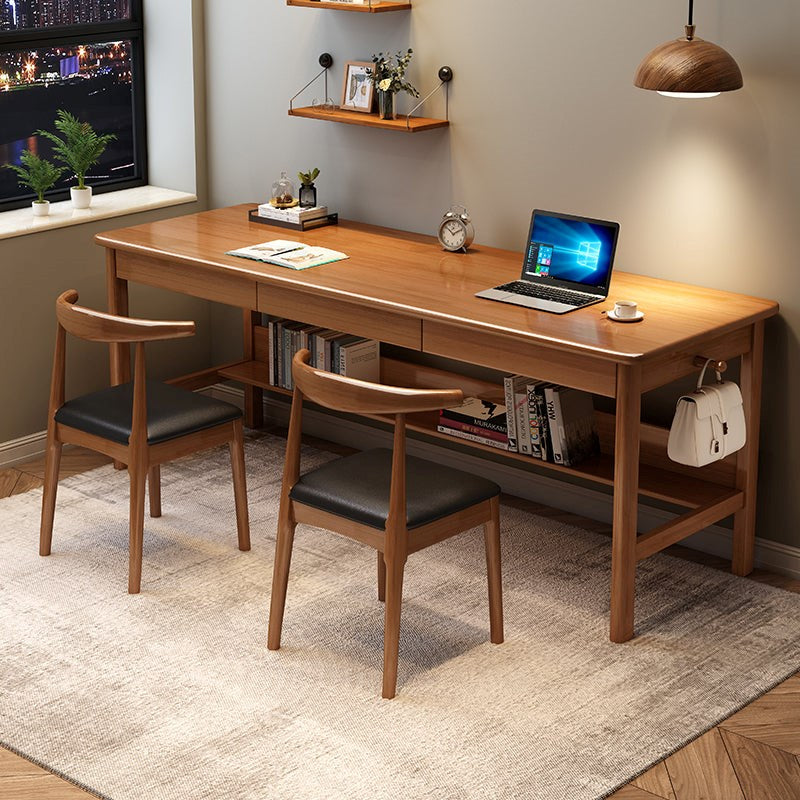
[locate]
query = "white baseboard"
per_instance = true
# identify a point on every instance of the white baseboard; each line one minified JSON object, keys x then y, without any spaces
{"x":18,"y":450}
{"x":716,"y":540}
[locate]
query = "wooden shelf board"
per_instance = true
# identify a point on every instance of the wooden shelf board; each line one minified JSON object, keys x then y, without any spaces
{"x":661,"y":484}
{"x":375,"y":8}
{"x":416,"y":124}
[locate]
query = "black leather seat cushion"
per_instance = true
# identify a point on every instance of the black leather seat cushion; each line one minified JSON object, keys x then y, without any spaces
{"x":357,"y":488}
{"x":171,"y":412}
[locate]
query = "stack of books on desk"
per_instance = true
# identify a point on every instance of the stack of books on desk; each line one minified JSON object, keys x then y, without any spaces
{"x":293,"y":216}
{"x":476,"y":420}
{"x":550,"y":422}
{"x":332,"y":351}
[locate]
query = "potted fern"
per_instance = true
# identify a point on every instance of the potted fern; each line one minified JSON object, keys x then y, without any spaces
{"x":79,"y":148}
{"x":37,"y":174}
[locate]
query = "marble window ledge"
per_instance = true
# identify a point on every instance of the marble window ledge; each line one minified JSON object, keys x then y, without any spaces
{"x":21,"y":221}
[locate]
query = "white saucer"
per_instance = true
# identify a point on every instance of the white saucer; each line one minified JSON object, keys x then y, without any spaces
{"x":639,"y":316}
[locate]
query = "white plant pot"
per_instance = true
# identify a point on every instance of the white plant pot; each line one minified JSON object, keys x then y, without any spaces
{"x":81,"y":198}
{"x":41,"y":209}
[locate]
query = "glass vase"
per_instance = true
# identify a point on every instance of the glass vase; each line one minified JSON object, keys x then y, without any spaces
{"x":386,"y":105}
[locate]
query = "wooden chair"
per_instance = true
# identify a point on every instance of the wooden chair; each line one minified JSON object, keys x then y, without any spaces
{"x":395,"y":503}
{"x":142,"y":424}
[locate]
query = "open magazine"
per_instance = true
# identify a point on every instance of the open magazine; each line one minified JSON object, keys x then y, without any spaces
{"x":292,"y":255}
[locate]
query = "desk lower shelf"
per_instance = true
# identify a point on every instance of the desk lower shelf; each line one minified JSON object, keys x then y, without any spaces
{"x":655,"y":482}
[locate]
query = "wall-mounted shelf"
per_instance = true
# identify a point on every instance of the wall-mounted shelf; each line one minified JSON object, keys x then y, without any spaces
{"x":409,"y":125}
{"x":375,"y":7}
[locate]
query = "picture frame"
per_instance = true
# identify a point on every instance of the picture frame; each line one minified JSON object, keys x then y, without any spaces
{"x":357,"y":90}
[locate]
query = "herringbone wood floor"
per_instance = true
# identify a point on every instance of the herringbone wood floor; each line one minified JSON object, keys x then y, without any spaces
{"x":753,"y":755}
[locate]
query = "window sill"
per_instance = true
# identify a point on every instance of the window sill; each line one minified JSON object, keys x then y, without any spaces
{"x":21,"y":221}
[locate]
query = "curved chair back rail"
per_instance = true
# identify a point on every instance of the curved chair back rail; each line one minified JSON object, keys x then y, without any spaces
{"x":362,"y":397}
{"x":96,"y":326}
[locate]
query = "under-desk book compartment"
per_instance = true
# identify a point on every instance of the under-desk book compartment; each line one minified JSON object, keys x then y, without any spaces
{"x":341,"y":315}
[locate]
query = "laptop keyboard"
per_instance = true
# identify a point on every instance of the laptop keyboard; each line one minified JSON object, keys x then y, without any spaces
{"x":546,"y":293}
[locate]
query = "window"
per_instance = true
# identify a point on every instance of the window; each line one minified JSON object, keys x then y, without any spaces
{"x":85,"y":56}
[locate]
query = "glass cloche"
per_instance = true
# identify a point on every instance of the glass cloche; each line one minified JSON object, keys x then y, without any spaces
{"x":284,"y":195}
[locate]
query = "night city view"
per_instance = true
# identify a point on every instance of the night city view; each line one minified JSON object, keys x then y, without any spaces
{"x":93,"y":81}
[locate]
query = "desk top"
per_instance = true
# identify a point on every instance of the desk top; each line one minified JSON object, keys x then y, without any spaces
{"x":409,"y":274}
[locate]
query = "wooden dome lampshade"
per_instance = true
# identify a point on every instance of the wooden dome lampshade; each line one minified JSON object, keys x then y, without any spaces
{"x":689,"y":67}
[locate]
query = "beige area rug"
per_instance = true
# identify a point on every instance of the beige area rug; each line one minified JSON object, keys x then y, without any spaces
{"x":173,"y":694}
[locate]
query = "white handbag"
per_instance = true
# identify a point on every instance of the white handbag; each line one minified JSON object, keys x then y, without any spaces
{"x":709,"y":423}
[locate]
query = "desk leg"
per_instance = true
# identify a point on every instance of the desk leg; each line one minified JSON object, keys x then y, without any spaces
{"x":119,"y":353}
{"x":117,"y":291}
{"x":253,"y":395}
{"x":626,"y":501}
{"x":744,"y":521}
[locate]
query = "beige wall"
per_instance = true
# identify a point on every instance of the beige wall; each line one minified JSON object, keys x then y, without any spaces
{"x":545,"y":115}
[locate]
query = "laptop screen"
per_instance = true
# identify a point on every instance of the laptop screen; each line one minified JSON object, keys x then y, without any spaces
{"x":565,"y":248}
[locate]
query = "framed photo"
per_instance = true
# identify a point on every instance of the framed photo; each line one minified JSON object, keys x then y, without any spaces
{"x":357,"y":90}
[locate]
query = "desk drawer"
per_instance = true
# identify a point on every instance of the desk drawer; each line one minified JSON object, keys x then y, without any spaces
{"x":232,"y":290}
{"x":341,"y":315}
{"x":510,"y":355}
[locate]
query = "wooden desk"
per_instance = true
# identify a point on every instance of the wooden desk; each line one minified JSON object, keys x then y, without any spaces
{"x":403,"y":289}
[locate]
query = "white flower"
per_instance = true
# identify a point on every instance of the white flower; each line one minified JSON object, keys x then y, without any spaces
{"x":385,"y":84}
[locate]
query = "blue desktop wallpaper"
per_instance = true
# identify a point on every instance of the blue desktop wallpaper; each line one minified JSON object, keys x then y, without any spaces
{"x":570,"y":250}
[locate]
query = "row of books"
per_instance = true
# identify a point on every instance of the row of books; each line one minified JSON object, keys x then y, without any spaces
{"x":543,"y":420}
{"x":332,"y":351}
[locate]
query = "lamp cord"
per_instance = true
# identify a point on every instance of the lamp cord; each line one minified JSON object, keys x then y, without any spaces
{"x":691,"y":12}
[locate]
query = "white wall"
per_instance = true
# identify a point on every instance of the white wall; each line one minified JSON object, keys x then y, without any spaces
{"x":544,"y":114}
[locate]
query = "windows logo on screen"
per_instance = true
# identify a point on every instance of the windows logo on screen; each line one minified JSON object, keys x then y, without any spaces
{"x":589,"y":255}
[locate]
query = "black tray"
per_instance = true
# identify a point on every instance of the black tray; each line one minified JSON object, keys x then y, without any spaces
{"x":319,"y":222}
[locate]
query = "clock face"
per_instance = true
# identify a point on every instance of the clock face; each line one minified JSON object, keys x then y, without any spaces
{"x":453,"y":234}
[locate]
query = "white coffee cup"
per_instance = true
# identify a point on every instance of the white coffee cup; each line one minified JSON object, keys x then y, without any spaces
{"x":625,"y":309}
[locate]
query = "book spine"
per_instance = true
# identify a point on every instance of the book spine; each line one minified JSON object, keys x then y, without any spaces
{"x":278,"y":347}
{"x":271,"y":340}
{"x":523,"y":417}
{"x":327,"y":355}
{"x":533,"y":421}
{"x":502,"y":427}
{"x":472,"y":437}
{"x":287,"y":358}
{"x":319,"y":361}
{"x":511,"y":418}
{"x":466,"y":428}
{"x":554,"y":422}
{"x":544,"y":427}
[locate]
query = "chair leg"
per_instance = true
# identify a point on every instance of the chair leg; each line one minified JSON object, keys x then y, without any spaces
{"x":381,"y":577}
{"x":52,"y":463}
{"x":154,"y":490}
{"x":240,"y":485}
{"x":491,"y":534}
{"x":138,"y":478}
{"x":280,"y":573}
{"x":391,"y":627}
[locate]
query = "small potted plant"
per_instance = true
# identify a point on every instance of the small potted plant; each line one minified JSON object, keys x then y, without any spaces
{"x":308,"y":192}
{"x":389,"y":78}
{"x":39,"y":175}
{"x":79,"y":149}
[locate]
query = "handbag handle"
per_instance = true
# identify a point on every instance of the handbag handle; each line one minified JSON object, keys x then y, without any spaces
{"x":703,"y":375}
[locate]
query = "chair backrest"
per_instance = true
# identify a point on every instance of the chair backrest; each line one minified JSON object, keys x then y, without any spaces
{"x":96,"y":326}
{"x":361,"y":397}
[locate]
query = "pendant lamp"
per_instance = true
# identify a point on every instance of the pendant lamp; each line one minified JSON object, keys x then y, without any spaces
{"x":689,"y":67}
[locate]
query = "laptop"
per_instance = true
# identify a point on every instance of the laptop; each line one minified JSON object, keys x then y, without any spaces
{"x":567,"y":264}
